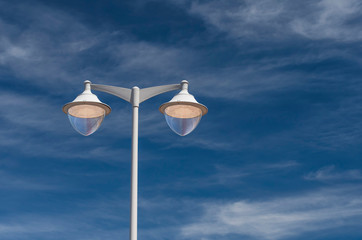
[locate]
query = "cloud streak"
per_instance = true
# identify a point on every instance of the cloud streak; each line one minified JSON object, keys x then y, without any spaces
{"x":323,"y":19}
{"x":84,"y":221}
{"x":330,"y":173}
{"x":280,"y":218}
{"x":330,"y":19}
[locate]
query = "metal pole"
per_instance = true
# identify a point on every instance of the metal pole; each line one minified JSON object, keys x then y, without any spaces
{"x":134,"y":172}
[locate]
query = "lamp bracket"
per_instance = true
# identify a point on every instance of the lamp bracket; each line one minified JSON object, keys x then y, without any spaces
{"x":144,"y":94}
{"x":150,"y":92}
{"x":120,"y":92}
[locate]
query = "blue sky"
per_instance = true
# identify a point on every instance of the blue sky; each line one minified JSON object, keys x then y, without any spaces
{"x":278,"y":156}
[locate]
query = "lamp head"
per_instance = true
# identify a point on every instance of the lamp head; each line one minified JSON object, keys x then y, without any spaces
{"x":86,"y":112}
{"x":183,"y":113}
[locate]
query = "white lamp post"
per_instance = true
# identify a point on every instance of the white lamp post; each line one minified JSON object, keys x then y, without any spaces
{"x":182,"y":113}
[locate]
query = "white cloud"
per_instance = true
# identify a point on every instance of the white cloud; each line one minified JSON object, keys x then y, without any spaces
{"x":46,"y":50}
{"x":226,"y":177}
{"x":22,"y":183}
{"x":136,"y":56}
{"x":35,"y":53}
{"x":241,"y":19}
{"x":329,"y":20}
{"x":53,"y":48}
{"x":53,"y":51}
{"x":28,"y":111}
{"x":83,"y":220}
{"x":25,"y":117}
{"x":282,"y":217}
{"x":323,"y":19}
{"x":333,"y":129}
{"x":329,"y":173}
{"x":28,"y":228}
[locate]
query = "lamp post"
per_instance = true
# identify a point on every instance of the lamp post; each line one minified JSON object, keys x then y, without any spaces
{"x":183,"y":113}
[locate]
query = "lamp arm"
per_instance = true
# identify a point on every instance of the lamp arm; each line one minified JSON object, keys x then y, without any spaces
{"x":150,"y":92}
{"x":120,"y":92}
{"x":144,"y":94}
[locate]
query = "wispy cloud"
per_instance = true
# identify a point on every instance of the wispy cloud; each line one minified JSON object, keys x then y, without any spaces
{"x":14,"y":183}
{"x":333,"y":129}
{"x":84,"y":221}
{"x":234,"y":176}
{"x":25,"y":117}
{"x":272,"y":19}
{"x":23,"y":52}
{"x":20,"y":230}
{"x":331,"y":19}
{"x":53,"y":48}
{"x":225,"y":176}
{"x":241,"y":19}
{"x":282,"y":217}
{"x":33,"y":51}
{"x":330,"y":173}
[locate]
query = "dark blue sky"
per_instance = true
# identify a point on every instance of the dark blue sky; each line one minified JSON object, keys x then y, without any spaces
{"x":278,"y":156}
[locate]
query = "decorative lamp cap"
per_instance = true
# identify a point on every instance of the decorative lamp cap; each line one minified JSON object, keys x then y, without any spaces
{"x":87,"y":98}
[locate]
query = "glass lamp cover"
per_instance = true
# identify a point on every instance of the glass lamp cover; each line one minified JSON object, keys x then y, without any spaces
{"x":182,"y":119}
{"x":85,"y":118}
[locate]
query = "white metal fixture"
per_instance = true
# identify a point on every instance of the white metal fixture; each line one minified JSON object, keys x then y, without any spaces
{"x":183,"y":113}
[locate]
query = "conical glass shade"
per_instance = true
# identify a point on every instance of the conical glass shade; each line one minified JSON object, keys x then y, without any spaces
{"x":182,"y":119}
{"x":85,"y":118}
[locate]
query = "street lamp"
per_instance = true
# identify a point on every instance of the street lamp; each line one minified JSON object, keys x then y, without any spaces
{"x":182,"y":113}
